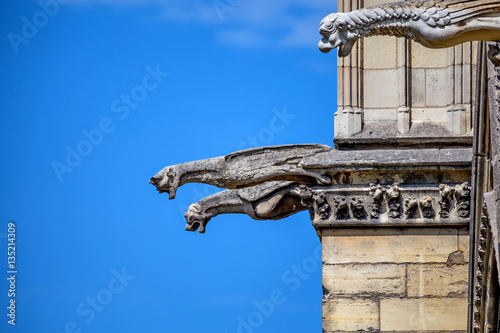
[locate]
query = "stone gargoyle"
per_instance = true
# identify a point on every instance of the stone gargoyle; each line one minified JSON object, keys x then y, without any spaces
{"x":432,"y":23}
{"x":244,"y":168}
{"x":268,"y":201}
{"x":270,"y":183}
{"x":266,"y":183}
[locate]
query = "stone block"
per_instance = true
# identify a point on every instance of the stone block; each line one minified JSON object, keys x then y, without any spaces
{"x":391,"y":245}
{"x":343,"y":314}
{"x":423,"y":314}
{"x":418,"y":87}
{"x":438,"y":280}
{"x":381,"y":88}
{"x":438,"y":89}
{"x":404,"y":120}
{"x":434,"y":114}
{"x":422,"y":57}
{"x":365,"y":279}
{"x":380,"y":114}
{"x":463,"y":243}
{"x":380,"y":52}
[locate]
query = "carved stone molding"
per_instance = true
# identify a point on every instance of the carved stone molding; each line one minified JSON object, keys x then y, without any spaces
{"x":480,"y":271}
{"x":396,"y":205}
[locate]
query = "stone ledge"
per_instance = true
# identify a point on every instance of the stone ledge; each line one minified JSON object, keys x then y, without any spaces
{"x":392,"y":223}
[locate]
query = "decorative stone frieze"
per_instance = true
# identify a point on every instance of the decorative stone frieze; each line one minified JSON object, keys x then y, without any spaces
{"x":395,"y":205}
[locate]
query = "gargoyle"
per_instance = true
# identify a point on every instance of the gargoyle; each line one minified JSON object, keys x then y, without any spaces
{"x":244,"y":168}
{"x":268,"y":201}
{"x":432,"y":23}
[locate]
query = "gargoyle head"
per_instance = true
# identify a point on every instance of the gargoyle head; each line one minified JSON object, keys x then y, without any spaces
{"x":336,"y":33}
{"x":166,"y":181}
{"x":195,"y":219}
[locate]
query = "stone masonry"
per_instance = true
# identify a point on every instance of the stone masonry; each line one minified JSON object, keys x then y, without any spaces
{"x":395,"y":279}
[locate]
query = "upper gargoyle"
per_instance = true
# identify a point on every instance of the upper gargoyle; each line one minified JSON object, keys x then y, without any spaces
{"x":244,"y":168}
{"x":434,"y":24}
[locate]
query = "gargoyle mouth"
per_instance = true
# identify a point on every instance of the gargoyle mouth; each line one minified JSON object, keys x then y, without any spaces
{"x":344,"y":48}
{"x":165,"y":182}
{"x":192,"y":226}
{"x":324,"y":45}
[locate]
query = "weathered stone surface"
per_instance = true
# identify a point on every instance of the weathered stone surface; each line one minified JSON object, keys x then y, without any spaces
{"x":463,"y":243}
{"x":446,"y":24}
{"x":418,"y":87}
{"x":394,"y":204}
{"x":388,"y":245}
{"x":387,"y":97}
{"x":423,"y":314}
{"x":437,"y":280}
{"x":345,"y":314}
{"x":383,"y":53}
{"x":438,"y":96}
{"x":423,"y":57}
{"x":366,"y":159}
{"x":364,"y":279}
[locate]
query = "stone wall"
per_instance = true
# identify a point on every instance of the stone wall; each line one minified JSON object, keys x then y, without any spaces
{"x":392,"y":87}
{"x":395,"y":279}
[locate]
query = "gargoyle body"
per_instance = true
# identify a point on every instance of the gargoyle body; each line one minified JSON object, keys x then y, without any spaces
{"x":268,"y":201}
{"x":434,"y":24}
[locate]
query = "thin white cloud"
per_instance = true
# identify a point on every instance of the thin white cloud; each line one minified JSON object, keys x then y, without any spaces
{"x":245,"y":23}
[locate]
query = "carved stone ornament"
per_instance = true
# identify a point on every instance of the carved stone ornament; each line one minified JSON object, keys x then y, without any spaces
{"x":341,"y":209}
{"x":393,"y":201}
{"x":480,"y":269}
{"x":432,"y":23}
{"x":462,"y":193}
{"x":426,"y":207}
{"x":358,"y":208}
{"x":377,"y":193}
{"x":411,"y":205}
{"x":445,"y":203}
{"x":321,"y":205}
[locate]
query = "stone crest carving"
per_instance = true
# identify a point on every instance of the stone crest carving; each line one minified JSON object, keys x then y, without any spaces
{"x":426,"y":207}
{"x":445,"y":203}
{"x":358,"y":208}
{"x":393,"y":200}
{"x":341,"y":209}
{"x":377,"y":194}
{"x":411,"y":205}
{"x":462,"y":193}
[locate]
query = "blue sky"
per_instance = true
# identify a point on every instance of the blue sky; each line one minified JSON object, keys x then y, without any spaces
{"x":99,"y":96}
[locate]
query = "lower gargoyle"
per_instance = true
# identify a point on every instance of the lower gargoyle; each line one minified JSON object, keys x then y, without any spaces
{"x":268,"y":201}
